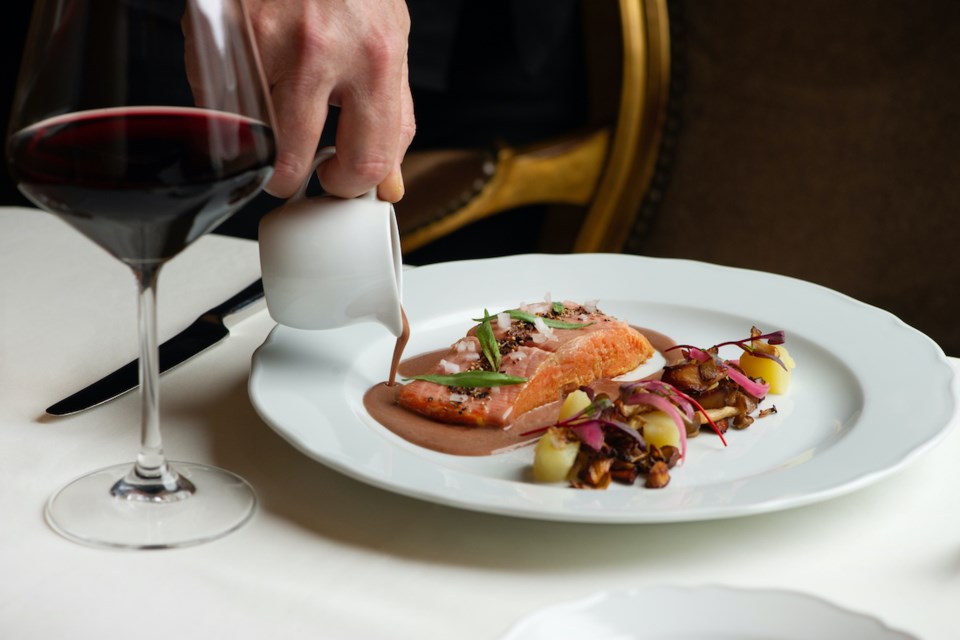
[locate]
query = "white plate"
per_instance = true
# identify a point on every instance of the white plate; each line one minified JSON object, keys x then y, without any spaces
{"x":868,"y":395}
{"x":661,"y":613}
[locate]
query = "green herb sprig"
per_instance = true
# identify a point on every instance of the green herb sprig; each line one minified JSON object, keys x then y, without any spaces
{"x":526,"y":316}
{"x":470,"y":379}
{"x":516,"y":314}
{"x":488,"y":343}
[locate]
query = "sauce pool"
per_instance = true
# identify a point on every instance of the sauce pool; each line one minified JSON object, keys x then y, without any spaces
{"x":380,"y":402}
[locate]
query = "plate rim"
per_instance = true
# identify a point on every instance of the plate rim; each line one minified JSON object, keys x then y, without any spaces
{"x":706,"y":592}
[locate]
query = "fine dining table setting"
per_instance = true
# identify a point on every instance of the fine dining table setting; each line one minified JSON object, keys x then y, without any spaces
{"x":346,"y":546}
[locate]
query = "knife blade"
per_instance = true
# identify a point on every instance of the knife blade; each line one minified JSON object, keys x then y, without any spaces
{"x":207,"y":330}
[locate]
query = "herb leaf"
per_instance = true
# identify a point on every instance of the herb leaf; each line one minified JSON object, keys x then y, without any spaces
{"x":516,"y":314}
{"x":488,"y":343}
{"x":526,"y":316}
{"x":471,"y":379}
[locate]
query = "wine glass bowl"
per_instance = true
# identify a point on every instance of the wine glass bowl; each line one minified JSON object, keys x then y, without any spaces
{"x":142,"y":182}
{"x":143,"y":124}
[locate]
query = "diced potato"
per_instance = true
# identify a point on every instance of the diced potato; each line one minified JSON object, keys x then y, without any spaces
{"x":772,"y":373}
{"x":573,"y":404}
{"x":554,"y":455}
{"x":659,"y":429}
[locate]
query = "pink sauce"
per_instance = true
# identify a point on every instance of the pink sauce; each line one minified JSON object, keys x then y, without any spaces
{"x":381,"y":403}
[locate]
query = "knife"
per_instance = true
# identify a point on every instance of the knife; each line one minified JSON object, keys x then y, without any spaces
{"x":207,"y":330}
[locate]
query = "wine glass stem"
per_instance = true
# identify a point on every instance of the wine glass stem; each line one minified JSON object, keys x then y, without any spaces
{"x":151,"y":478}
{"x":150,"y":460}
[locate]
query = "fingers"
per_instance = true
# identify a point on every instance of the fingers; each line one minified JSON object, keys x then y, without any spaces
{"x":290,"y":38}
{"x":300,"y":109}
{"x":375,"y":126}
{"x":367,"y":147}
{"x":392,"y":188}
{"x":327,"y":52}
{"x":371,"y":142}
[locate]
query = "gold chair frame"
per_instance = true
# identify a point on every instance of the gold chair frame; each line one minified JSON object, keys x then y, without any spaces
{"x":606,"y":170}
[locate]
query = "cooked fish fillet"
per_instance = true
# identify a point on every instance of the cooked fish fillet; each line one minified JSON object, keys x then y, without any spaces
{"x":553,"y":361}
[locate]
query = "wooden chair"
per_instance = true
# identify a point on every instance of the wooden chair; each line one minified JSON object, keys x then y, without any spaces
{"x":604,"y":171}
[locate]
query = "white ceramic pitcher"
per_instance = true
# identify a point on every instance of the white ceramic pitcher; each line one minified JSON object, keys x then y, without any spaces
{"x":328,"y":262}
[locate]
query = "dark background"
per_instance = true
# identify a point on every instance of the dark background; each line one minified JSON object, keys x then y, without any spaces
{"x":816,"y":139}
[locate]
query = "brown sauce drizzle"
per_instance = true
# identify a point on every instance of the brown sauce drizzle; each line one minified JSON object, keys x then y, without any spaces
{"x":398,"y":348}
{"x":381,"y":403}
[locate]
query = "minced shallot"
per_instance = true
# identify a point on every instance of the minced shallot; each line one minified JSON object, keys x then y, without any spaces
{"x":543,"y":332}
{"x":466,"y":346}
{"x":537,"y":307}
{"x":449,"y":367}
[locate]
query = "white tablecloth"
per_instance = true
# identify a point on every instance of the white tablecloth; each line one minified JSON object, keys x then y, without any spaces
{"x":329,"y":557}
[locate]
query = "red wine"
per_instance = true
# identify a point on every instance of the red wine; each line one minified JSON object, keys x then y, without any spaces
{"x":142,"y":182}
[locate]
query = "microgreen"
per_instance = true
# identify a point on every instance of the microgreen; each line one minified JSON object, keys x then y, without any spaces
{"x":773,"y":338}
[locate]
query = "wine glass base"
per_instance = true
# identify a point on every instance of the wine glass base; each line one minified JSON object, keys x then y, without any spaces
{"x":85,"y":511}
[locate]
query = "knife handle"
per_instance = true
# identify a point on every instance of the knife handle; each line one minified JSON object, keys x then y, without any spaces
{"x":236,"y":303}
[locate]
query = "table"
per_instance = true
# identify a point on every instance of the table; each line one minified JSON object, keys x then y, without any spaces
{"x":328,"y":557}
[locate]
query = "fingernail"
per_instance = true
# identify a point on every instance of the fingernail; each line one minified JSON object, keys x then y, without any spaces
{"x":391,"y":189}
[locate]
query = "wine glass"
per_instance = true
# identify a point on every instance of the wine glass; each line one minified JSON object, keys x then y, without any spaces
{"x":143,"y":124}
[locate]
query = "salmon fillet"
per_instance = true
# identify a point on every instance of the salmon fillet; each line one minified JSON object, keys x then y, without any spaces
{"x":554,"y":362}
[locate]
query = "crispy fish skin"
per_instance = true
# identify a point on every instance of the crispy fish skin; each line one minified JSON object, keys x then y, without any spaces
{"x":565,"y":360}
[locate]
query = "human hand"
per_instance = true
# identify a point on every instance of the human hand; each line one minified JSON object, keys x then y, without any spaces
{"x":347,"y":53}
